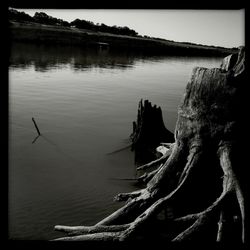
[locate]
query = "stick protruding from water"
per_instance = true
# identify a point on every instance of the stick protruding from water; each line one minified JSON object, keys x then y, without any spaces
{"x":37,"y":129}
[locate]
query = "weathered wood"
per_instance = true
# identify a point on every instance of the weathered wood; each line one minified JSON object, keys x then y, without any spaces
{"x":203,"y":181}
{"x":148,"y":132}
{"x":149,"y":127}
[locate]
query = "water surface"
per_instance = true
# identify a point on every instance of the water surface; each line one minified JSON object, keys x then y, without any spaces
{"x":84,"y":103}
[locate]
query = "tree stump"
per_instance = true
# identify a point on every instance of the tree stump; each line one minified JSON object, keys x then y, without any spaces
{"x":148,"y":132}
{"x":200,"y":185}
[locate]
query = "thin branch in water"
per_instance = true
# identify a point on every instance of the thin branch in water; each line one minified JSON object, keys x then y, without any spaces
{"x":37,"y":129}
{"x":119,"y":150}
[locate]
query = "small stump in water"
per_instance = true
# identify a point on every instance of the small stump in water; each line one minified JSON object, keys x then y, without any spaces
{"x":148,"y":132}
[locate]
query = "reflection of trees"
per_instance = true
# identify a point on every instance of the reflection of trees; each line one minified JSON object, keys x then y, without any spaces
{"x":102,"y":59}
{"x":45,"y":57}
{"x":42,"y":57}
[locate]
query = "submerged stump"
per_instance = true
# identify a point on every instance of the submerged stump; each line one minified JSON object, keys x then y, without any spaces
{"x":148,"y":132}
{"x":197,"y":191}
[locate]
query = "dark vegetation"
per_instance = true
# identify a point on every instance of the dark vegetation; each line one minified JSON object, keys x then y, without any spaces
{"x":43,"y":18}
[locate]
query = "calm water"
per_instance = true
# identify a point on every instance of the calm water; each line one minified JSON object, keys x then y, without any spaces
{"x":84,"y":103}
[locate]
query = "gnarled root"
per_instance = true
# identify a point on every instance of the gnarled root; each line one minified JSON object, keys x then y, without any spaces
{"x":106,"y":230}
{"x":126,"y":196}
{"x":76,"y":230}
{"x":231,"y":182}
{"x":146,"y":177}
{"x":156,"y":162}
{"x":230,"y":186}
{"x":93,"y":237}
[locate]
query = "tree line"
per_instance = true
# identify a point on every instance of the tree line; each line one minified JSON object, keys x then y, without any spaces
{"x":43,"y":18}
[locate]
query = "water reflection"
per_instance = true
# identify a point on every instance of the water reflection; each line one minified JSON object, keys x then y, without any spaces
{"x":45,"y":58}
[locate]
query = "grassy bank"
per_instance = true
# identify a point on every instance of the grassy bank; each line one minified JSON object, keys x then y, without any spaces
{"x":50,"y":34}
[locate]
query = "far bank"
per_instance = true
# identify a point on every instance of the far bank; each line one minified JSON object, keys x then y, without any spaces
{"x":50,"y":34}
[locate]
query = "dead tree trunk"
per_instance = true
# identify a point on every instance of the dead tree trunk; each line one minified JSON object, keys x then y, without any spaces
{"x":148,"y":132}
{"x":199,"y":185}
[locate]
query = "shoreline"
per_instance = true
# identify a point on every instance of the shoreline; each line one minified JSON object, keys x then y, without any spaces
{"x":58,"y":35}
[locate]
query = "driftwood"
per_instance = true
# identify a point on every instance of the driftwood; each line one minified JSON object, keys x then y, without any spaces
{"x":37,"y":129}
{"x":199,"y":188}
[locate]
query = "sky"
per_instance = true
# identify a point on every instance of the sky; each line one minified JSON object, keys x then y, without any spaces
{"x":224,"y":28}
